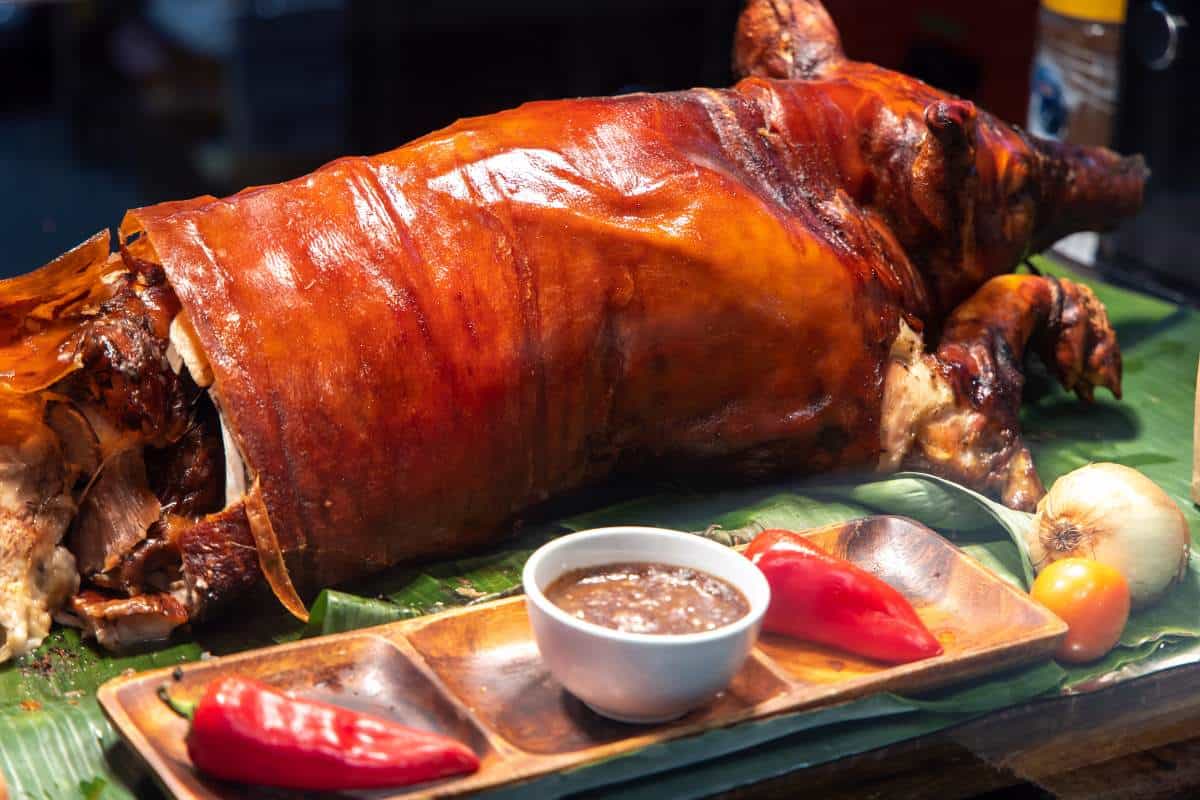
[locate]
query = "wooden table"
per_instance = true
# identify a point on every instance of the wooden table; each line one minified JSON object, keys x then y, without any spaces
{"x":1139,"y":739}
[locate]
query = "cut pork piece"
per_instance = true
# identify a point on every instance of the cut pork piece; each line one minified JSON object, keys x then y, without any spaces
{"x":118,"y":622}
{"x":188,"y":475}
{"x":36,"y":573}
{"x":115,"y":514}
{"x":88,"y":396}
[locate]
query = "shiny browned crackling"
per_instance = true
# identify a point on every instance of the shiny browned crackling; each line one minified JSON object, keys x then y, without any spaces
{"x":411,"y":348}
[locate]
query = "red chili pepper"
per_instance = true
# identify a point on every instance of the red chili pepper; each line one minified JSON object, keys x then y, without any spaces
{"x":820,"y":598}
{"x":244,"y":730}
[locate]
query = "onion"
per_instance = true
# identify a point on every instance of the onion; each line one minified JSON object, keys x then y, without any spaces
{"x":1118,"y":516}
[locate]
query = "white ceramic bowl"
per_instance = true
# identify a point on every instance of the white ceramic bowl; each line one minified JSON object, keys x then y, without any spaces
{"x":640,"y":677}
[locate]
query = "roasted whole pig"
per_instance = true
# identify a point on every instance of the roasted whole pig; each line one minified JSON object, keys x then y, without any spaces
{"x":389,"y":358}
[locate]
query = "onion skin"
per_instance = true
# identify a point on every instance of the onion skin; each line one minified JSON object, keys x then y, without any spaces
{"x":1117,"y":516}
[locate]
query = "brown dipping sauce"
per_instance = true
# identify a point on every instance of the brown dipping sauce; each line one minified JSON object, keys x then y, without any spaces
{"x":644,"y":597}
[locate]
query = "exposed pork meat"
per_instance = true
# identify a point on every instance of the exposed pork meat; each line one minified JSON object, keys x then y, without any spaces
{"x":188,"y":476}
{"x":78,"y":440}
{"x":96,"y":402}
{"x":186,"y":482}
{"x":122,"y":621}
{"x":114,"y":515}
{"x":122,"y":352}
{"x":153,"y":565}
{"x":36,"y":574}
{"x":159,"y":434}
{"x":40,"y":317}
{"x":220,"y":559}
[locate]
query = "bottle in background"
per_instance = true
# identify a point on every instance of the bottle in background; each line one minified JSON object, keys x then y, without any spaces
{"x":1073,"y":91}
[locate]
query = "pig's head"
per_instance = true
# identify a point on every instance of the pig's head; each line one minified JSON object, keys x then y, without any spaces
{"x":989,"y":195}
{"x":966,"y":195}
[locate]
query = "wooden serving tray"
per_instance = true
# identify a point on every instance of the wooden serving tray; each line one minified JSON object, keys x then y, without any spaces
{"x":474,"y":673}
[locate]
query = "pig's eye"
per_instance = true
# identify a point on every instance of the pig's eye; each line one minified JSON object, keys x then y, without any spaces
{"x":1021,"y":195}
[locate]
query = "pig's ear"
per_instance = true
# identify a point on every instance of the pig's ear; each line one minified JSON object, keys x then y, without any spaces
{"x":952,"y":122}
{"x":785,"y":39}
{"x":952,"y":127}
{"x":944,"y":187}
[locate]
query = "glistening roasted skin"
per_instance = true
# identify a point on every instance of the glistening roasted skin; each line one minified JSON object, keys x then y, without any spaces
{"x":409,"y":349}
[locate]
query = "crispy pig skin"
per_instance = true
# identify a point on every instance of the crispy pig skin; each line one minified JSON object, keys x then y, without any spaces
{"x":413,"y":347}
{"x":40,"y":313}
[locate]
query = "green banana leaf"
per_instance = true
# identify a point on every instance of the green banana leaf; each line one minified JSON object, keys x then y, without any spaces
{"x":54,"y":741}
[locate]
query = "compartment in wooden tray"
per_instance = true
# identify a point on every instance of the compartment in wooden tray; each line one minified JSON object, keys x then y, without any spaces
{"x":982,"y":622}
{"x":361,"y":671}
{"x":474,"y":673}
{"x":489,"y":660}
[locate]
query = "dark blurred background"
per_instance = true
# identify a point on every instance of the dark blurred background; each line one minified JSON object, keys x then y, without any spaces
{"x":108,"y":104}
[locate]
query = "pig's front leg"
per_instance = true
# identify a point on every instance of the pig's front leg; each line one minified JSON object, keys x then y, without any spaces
{"x":955,"y":412}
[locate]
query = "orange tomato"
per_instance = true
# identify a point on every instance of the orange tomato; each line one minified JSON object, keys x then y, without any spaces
{"x":1092,"y":598}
